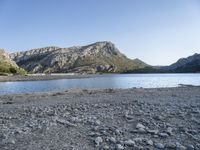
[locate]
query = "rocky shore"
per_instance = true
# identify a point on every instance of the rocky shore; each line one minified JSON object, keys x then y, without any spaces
{"x":164,"y":118}
{"x":41,"y":77}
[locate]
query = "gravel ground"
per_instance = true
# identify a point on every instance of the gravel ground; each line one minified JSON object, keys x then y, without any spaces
{"x":164,"y":118}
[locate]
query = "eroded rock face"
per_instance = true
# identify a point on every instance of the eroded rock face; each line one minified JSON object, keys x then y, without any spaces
{"x":97,"y":57}
{"x":5,"y":58}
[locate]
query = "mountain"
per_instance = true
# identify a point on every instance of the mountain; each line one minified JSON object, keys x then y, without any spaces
{"x":96,"y":57}
{"x":7,"y":65}
{"x":185,"y":65}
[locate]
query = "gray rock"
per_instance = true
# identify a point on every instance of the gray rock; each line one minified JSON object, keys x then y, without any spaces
{"x":106,"y":147}
{"x":129,"y":142}
{"x":169,"y":130}
{"x":112,"y":139}
{"x":149,"y":142}
{"x":190,"y":147}
{"x":140,"y":126}
{"x":152,"y":131}
{"x":159,"y":145}
{"x":170,"y":145}
{"x":65,"y":122}
{"x":119,"y":147}
{"x":98,"y":141}
{"x":179,"y":146}
{"x":164,"y":135}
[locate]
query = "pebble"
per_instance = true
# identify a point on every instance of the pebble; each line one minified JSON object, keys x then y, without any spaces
{"x":113,"y":140}
{"x":170,"y":145}
{"x":140,"y":126}
{"x":138,"y":139}
{"x":180,"y":147}
{"x":190,"y":147}
{"x":98,"y":141}
{"x":141,"y":130}
{"x":65,"y":122}
{"x":164,"y":135}
{"x":119,"y":147}
{"x":106,"y":147}
{"x":150,"y":142}
{"x":159,"y":145}
{"x":129,"y":142}
{"x":169,"y":130}
{"x":153,"y":131}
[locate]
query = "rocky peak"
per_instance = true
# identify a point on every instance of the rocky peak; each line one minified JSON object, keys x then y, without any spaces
{"x":96,"y":57}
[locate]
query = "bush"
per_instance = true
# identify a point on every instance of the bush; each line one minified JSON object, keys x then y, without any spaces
{"x":12,"y":70}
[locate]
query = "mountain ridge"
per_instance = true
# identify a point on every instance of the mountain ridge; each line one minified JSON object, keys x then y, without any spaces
{"x":188,"y":64}
{"x":92,"y":58}
{"x":98,"y":57}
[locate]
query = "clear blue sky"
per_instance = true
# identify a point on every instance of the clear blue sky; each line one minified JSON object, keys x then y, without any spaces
{"x":156,"y":31}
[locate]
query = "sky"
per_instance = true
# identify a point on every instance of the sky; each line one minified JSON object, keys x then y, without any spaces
{"x":159,"y":32}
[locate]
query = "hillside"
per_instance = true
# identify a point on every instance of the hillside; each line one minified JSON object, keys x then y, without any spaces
{"x":7,"y":65}
{"x":184,"y":65}
{"x":93,"y":58}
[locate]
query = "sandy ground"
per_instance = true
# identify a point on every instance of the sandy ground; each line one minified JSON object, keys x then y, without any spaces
{"x":164,"y":118}
{"x":41,"y":77}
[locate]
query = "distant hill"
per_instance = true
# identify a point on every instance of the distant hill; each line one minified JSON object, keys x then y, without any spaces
{"x":185,"y":65}
{"x":7,"y":65}
{"x":97,"y":57}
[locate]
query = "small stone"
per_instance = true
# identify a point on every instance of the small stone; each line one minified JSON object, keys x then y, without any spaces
{"x":169,"y":130}
{"x":65,"y":122}
{"x":153,"y":131}
{"x":97,"y":122}
{"x":113,"y":140}
{"x":150,"y":142}
{"x":170,"y":145}
{"x":117,"y":132}
{"x":158,"y":117}
{"x":180,"y":147}
{"x":141,"y":130}
{"x":106,"y":147}
{"x":98,"y":141}
{"x":129,"y":142}
{"x":139,"y":125}
{"x":138,"y":139}
{"x":9,"y":141}
{"x":190,"y":147}
{"x":164,"y":135}
{"x":119,"y":147}
{"x":159,"y":145}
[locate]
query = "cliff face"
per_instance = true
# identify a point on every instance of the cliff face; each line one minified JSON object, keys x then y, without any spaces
{"x":189,"y":64}
{"x":7,"y":65}
{"x":97,"y":57}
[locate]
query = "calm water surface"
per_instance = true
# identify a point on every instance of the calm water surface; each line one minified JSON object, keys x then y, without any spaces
{"x":103,"y":81}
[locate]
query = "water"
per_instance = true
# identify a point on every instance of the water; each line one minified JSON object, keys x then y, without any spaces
{"x":103,"y":81}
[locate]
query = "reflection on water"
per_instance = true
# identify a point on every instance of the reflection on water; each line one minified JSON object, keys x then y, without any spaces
{"x":103,"y":81}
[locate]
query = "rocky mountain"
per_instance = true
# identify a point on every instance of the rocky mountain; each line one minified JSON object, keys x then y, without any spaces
{"x":96,"y":57}
{"x":189,"y":64}
{"x":7,"y":65}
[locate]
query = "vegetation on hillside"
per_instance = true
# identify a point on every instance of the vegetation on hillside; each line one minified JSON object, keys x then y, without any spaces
{"x":6,"y":68}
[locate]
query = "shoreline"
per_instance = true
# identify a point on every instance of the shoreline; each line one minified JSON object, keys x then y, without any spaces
{"x":41,"y":77}
{"x":136,"y":118}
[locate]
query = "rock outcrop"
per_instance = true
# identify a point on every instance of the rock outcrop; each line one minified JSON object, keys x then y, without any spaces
{"x":7,"y":65}
{"x":97,"y":57}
